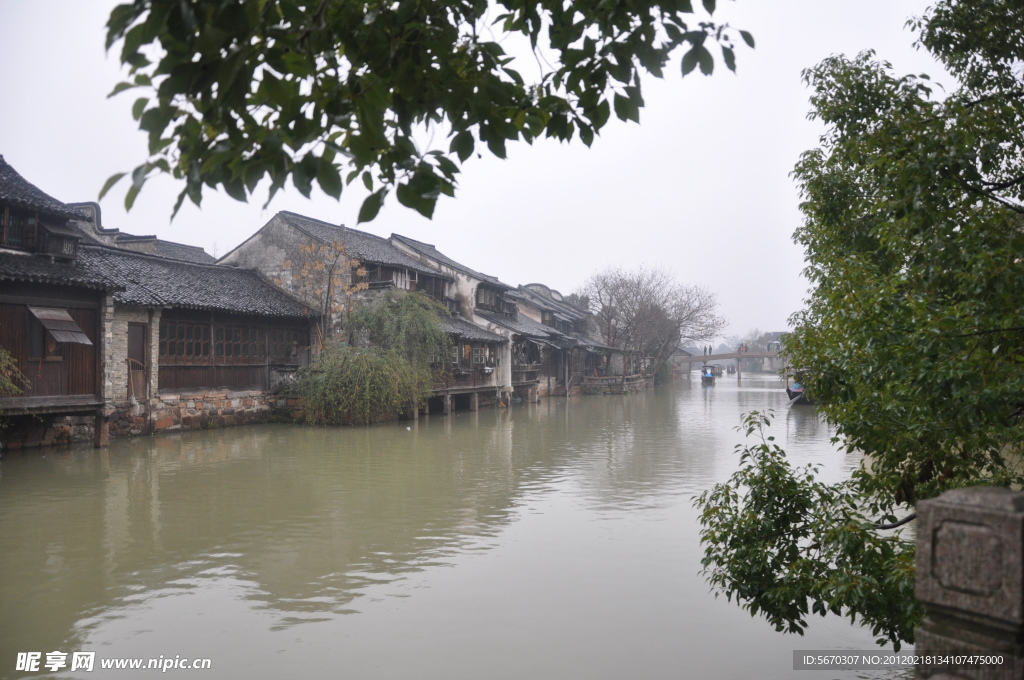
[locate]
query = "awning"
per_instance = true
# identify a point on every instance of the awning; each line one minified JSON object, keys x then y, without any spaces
{"x":60,"y":325}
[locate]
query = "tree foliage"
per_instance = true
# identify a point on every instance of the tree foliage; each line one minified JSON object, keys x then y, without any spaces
{"x":386,"y":367}
{"x":786,"y":545}
{"x":913,"y":335}
{"x":408,"y":324}
{"x":359,"y":386}
{"x":306,"y":90}
{"x":648,"y":313}
{"x":12,"y":381}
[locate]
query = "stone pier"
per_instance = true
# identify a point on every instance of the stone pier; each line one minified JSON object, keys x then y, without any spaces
{"x":970,"y":578}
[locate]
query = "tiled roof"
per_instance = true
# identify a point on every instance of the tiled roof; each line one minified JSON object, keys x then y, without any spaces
{"x":358,"y":244}
{"x":523,"y":325}
{"x":463,"y":328}
{"x":36,"y":269}
{"x":159,"y":282}
{"x":567,"y":310}
{"x":434,"y":254}
{"x":181,"y":251}
{"x":17,"y":191}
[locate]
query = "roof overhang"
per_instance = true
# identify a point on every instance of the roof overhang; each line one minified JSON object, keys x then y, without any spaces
{"x":60,"y":325}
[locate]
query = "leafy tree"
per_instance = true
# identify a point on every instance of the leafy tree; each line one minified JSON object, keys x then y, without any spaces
{"x":12,"y":381}
{"x":408,"y":324}
{"x":914,"y":331}
{"x":359,"y":386}
{"x":648,"y":313}
{"x":235,"y":92}
{"x":386,"y":367}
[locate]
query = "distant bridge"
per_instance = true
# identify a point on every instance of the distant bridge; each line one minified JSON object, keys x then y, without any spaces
{"x":737,"y":356}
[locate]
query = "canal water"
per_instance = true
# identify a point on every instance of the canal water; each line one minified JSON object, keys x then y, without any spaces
{"x":554,"y":540}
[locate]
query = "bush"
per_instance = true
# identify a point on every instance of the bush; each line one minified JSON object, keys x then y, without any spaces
{"x":350,"y":386}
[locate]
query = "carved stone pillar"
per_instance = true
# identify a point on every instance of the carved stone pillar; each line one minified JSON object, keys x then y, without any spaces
{"x":970,"y":578}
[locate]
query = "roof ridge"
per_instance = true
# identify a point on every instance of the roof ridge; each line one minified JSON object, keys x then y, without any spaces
{"x":136,"y":253}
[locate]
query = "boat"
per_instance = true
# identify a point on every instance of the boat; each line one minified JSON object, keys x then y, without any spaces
{"x":707,"y":376}
{"x":730,"y":369}
{"x":716,"y":370}
{"x":796,"y":391}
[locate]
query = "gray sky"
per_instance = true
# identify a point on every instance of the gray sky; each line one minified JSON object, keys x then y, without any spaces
{"x":701,"y":187}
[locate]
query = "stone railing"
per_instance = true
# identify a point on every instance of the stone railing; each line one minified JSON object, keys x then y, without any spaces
{"x":970,"y":579}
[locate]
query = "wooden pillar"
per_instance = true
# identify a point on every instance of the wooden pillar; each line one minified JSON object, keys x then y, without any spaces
{"x":101,"y":430}
{"x":739,"y":364}
{"x":474,"y":402}
{"x":415,"y":412}
{"x":426,"y":407}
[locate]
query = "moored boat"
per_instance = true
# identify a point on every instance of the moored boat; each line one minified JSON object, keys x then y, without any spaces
{"x":796,"y":392}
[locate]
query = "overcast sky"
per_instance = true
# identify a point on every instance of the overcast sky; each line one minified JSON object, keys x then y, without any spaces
{"x":701,"y":187}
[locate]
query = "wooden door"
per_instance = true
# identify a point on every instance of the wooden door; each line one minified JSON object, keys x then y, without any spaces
{"x":137,"y":364}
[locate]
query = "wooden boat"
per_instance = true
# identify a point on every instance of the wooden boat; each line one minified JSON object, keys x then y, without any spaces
{"x":796,"y":392}
{"x":716,"y":370}
{"x":707,"y":377}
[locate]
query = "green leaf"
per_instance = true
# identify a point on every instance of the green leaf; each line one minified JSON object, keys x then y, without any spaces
{"x":138,"y":107}
{"x":690,"y":59}
{"x":463,"y":145}
{"x":729,"y":57}
{"x":371,"y":206}
{"x":707,"y":62}
{"x":109,"y":184}
{"x":329,"y":178}
{"x":747,"y":38}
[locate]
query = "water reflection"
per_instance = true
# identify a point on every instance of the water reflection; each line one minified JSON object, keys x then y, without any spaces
{"x":562,"y":528}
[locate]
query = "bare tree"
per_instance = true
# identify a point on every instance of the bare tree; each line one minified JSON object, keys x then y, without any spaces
{"x":647,"y":314}
{"x":325,"y":277}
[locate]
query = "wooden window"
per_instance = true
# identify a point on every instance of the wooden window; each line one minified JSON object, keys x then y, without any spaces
{"x":479,"y":356}
{"x":184,"y":343}
{"x":239,"y":344}
{"x":285,"y":343}
{"x":42,"y":345}
{"x":16,"y":228}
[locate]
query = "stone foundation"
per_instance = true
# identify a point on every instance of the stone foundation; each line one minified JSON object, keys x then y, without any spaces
{"x":168,"y":412}
{"x":26,"y":432}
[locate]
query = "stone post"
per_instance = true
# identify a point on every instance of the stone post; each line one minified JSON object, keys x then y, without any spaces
{"x":474,"y":402}
{"x":101,"y":430}
{"x":970,"y":579}
{"x":447,"y":404}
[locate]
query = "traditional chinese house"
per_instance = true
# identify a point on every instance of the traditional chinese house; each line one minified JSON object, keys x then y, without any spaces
{"x":186,"y":336}
{"x":51,"y":315}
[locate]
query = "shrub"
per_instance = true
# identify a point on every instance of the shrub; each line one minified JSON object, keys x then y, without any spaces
{"x":355,"y":386}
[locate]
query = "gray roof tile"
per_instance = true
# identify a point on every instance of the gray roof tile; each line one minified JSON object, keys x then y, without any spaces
{"x":359,"y":244}
{"x":461,"y":327}
{"x":17,"y":191}
{"x":433,"y":253}
{"x":149,"y":280}
{"x":36,"y":269}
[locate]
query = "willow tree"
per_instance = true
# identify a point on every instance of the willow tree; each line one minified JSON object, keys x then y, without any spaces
{"x":329,"y":92}
{"x":913,"y":335}
{"x":385,"y":367}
